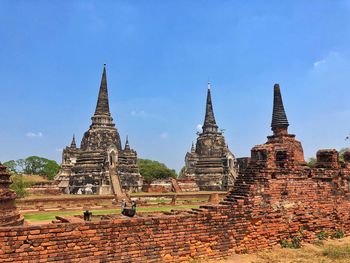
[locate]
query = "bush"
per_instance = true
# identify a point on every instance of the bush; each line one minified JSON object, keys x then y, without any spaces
{"x":295,"y":242}
{"x":338,"y":234}
{"x":19,"y":185}
{"x":284,"y":243}
{"x":322,"y":235}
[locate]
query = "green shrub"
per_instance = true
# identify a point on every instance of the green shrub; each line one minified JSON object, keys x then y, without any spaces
{"x":338,"y":234}
{"x":19,"y":185}
{"x":296,"y":242}
{"x":284,"y":243}
{"x":322,"y":235}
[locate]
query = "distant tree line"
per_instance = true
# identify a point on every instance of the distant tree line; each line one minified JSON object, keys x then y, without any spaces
{"x":34,"y":165}
{"x":151,"y":170}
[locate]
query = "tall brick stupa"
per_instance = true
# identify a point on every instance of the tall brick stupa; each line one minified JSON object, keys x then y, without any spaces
{"x":210,"y":162}
{"x":89,"y":169}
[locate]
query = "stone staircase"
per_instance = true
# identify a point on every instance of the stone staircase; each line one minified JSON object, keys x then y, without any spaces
{"x":116,"y":186}
{"x":176,"y":186}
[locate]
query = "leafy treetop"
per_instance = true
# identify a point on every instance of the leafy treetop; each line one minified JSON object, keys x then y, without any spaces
{"x":33,"y":165}
{"x":154,"y":170}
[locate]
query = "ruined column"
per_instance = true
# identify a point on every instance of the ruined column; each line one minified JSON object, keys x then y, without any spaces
{"x":9,"y":216}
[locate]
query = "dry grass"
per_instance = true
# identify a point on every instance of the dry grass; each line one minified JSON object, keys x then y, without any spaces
{"x":31,"y":178}
{"x":328,"y":251}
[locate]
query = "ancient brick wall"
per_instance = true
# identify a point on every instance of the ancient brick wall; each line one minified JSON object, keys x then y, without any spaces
{"x":175,"y":237}
{"x":265,"y":207}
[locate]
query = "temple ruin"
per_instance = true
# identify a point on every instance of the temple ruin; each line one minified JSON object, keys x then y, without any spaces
{"x":9,"y":215}
{"x":210,"y":162}
{"x":276,"y":198}
{"x":100,"y":165}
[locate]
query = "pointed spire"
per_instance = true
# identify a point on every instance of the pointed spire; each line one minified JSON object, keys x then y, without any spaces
{"x":209,"y":120}
{"x":127,"y":146}
{"x":73,"y":144}
{"x":102,"y":116}
{"x":279,"y":122}
{"x":193,"y":149}
{"x":102,"y":106}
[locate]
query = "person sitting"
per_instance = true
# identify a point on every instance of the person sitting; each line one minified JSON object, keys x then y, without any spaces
{"x":133,"y":205}
{"x":130,"y":212}
{"x":123,"y":205}
{"x":87,"y":215}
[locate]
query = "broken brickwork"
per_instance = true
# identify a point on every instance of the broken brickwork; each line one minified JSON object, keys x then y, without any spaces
{"x":9,"y":215}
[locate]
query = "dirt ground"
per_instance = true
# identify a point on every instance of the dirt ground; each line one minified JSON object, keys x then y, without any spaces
{"x":328,"y":251}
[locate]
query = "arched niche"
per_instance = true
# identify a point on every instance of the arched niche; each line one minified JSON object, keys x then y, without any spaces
{"x":112,"y":157}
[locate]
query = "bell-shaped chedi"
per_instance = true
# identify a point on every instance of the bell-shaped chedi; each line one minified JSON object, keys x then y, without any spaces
{"x":91,"y":167}
{"x":9,"y":215}
{"x":210,"y":162}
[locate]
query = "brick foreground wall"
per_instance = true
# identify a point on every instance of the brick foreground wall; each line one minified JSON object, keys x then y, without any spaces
{"x":265,"y":207}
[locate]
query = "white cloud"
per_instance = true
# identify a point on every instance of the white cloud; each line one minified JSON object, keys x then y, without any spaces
{"x":59,"y":150}
{"x":136,"y":113}
{"x":331,"y":56}
{"x":34,"y":135}
{"x":319,"y":62}
{"x":199,"y":127}
{"x":164,"y":135}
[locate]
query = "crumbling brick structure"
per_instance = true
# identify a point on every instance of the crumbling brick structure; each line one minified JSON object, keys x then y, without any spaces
{"x":275,"y":197}
{"x":9,"y":215}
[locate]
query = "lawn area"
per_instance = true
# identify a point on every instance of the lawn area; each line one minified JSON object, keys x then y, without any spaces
{"x":44,"y":216}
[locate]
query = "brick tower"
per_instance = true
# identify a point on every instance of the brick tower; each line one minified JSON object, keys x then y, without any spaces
{"x":210,"y":163}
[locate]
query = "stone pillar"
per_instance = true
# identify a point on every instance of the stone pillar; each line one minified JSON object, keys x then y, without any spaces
{"x":9,"y":216}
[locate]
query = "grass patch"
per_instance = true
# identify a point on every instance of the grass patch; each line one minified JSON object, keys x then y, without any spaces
{"x":337,"y":252}
{"x":43,"y":216}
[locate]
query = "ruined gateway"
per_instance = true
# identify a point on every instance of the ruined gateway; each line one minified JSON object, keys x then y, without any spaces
{"x":210,"y":163}
{"x":100,"y":159}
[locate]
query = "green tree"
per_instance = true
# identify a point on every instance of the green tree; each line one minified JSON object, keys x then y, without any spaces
{"x":34,"y":165}
{"x":21,"y":165}
{"x":311,"y":162}
{"x":154,"y":170}
{"x":51,"y":169}
{"x":11,"y":166}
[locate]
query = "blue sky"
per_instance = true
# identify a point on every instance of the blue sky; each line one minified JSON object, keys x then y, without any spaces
{"x":159,"y":56}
